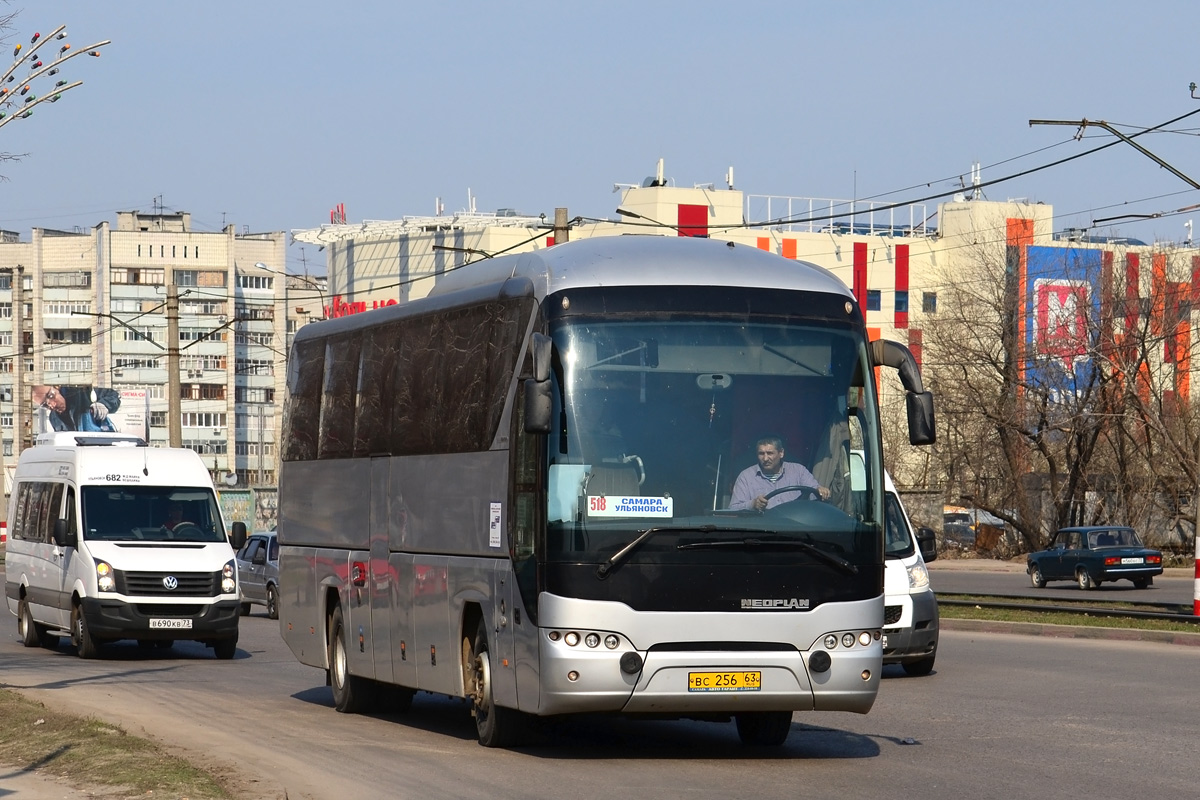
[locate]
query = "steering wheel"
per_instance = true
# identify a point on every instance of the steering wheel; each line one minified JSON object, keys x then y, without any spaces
{"x":182,"y":530}
{"x":812,"y":490}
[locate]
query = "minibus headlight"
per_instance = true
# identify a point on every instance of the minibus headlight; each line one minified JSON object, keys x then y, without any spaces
{"x":229,"y":578}
{"x":918,"y":576}
{"x":105,"y":580}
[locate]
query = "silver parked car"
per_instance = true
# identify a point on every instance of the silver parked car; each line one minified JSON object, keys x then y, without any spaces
{"x":258,"y":573}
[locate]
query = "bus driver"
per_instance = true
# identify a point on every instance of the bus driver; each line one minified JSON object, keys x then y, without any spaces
{"x":752,"y":486}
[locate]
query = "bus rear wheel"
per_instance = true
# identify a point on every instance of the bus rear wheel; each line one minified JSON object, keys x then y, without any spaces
{"x":764,"y":728}
{"x":351,"y":694}
{"x":496,"y":726}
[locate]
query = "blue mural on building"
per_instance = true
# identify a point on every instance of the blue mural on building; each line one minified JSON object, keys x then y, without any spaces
{"x":1062,"y":313}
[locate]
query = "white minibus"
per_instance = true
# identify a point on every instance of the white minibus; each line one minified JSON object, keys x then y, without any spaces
{"x":110,"y":539}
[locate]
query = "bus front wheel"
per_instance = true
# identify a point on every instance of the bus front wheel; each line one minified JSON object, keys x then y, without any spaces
{"x":763,"y":728}
{"x":495,"y":725}
{"x":351,"y":693}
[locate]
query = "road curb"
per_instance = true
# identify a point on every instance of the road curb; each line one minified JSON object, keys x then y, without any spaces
{"x":1071,"y":631}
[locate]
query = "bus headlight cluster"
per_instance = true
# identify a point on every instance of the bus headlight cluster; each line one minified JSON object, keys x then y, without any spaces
{"x":848,"y":639}
{"x":229,"y":578}
{"x":590,"y":639}
{"x":105,"y":580}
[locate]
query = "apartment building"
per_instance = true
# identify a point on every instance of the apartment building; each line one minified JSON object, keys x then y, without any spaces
{"x":90,"y":308}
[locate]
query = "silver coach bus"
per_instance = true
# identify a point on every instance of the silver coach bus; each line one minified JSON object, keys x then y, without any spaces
{"x":517,"y":490}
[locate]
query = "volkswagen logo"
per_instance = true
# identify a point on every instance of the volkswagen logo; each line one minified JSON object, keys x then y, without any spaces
{"x":170,"y":583}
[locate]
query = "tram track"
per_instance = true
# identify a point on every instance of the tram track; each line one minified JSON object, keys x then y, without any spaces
{"x":1170,"y":612}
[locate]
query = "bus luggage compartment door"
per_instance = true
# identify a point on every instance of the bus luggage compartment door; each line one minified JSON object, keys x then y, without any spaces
{"x":381,"y":575}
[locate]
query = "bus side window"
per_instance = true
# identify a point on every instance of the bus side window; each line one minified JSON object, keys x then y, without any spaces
{"x":302,"y":414}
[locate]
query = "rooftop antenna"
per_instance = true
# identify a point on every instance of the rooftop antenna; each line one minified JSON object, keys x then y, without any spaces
{"x":470,"y":201}
{"x":729,"y":177}
{"x":1188,"y":239}
{"x":976,"y":179}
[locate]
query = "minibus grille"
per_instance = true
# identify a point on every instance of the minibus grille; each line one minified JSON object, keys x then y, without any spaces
{"x":190,"y":584}
{"x":891,"y":614}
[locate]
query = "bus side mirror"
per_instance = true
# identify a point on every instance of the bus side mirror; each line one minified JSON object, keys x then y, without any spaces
{"x":62,"y":535}
{"x":921,"y":428}
{"x":537,"y":406}
{"x":886,"y":353}
{"x":927,"y":541}
{"x":237,"y":535}
{"x":541,"y":347}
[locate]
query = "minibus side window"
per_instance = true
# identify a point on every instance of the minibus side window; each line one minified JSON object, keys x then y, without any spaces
{"x":72,"y":525}
{"x":21,"y":528}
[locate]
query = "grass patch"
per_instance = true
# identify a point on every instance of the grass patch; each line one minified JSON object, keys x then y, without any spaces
{"x":1059,"y":618}
{"x":95,"y":755}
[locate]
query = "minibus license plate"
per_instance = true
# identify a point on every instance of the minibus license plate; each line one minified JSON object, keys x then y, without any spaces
{"x":724,"y":681}
{"x":170,"y":623}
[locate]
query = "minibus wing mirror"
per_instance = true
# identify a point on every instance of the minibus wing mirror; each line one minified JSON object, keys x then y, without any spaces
{"x":237,"y":535}
{"x":927,"y":542}
{"x":62,"y":535}
{"x":921,"y":427}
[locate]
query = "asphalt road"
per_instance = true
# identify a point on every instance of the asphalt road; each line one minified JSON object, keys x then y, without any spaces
{"x":985,"y":576}
{"x":1002,"y":716}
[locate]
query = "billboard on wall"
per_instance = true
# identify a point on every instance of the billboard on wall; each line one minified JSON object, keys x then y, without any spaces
{"x":85,"y":407}
{"x":1061,"y":311}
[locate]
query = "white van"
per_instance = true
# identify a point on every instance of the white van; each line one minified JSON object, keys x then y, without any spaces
{"x":110,"y":539}
{"x":910,"y":623}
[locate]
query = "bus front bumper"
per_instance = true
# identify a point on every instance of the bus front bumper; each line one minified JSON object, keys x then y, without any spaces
{"x":672,"y":682}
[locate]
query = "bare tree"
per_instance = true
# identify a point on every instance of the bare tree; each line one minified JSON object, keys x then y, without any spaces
{"x":1074,"y":411}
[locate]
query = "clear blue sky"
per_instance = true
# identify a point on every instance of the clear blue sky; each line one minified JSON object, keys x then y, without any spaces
{"x":267,"y":114}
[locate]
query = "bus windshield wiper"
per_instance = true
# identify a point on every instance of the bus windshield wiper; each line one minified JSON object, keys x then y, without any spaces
{"x":619,"y":556}
{"x":821,"y":555}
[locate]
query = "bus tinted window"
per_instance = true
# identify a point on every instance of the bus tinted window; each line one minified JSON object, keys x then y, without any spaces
{"x":428,"y":384}
{"x":339,"y":397}
{"x":302,"y":414}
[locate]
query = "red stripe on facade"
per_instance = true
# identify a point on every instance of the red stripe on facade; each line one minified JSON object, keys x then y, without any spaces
{"x":764,"y":243}
{"x":901,"y":320}
{"x":1158,"y":292}
{"x":693,"y":220}
{"x":916,"y":343}
{"x":789,"y":249}
{"x":549,"y":241}
{"x":860,"y":273}
{"x":1132,"y":278}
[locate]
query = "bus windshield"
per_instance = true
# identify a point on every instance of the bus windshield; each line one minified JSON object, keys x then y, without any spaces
{"x":151,"y":513}
{"x":659,"y":416}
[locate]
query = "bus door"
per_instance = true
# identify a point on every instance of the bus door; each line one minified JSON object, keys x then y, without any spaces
{"x":381,"y":574}
{"x":500,"y":634}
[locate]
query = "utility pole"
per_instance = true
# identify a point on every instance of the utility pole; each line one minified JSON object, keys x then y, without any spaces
{"x":18,"y":293}
{"x":174,"y":422}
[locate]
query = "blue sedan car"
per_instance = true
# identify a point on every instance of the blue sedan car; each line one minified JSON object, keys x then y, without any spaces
{"x":1093,"y":555}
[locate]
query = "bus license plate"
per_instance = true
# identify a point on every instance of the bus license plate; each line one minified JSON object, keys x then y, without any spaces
{"x":170,"y":623}
{"x":724,"y":681}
